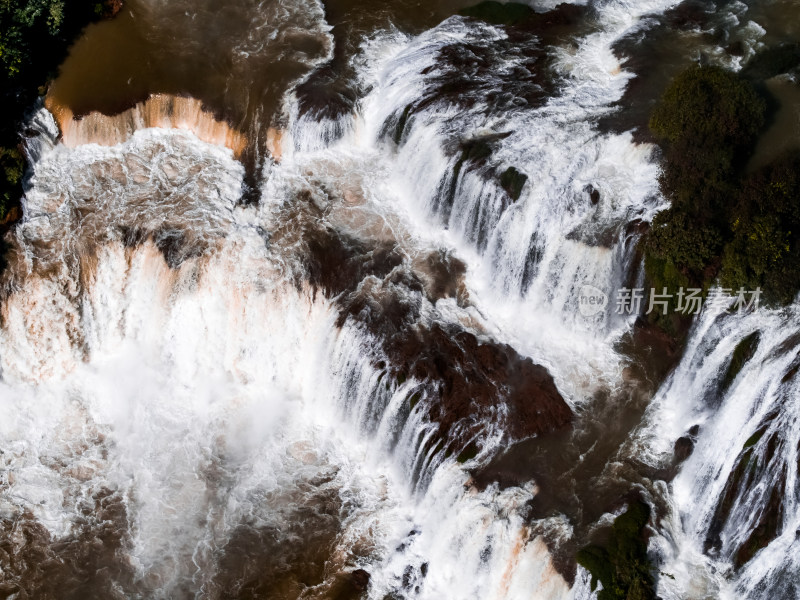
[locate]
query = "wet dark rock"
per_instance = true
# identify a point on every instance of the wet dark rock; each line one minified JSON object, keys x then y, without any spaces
{"x":400,"y":127}
{"x":337,"y":263}
{"x":512,"y":181}
{"x":765,"y":531}
{"x":736,"y":48}
{"x":468,"y":453}
{"x":360,"y":579}
{"x":464,"y":380}
{"x":174,"y":246}
{"x":474,"y":155}
{"x":594,"y":193}
{"x":742,"y":353}
{"x":472,"y":377}
{"x":496,"y":13}
{"x":132,"y":236}
{"x":350,"y":586}
{"x":596,"y":235}
{"x":773,"y":61}
{"x":443,"y":275}
{"x":283,"y":558}
{"x":747,"y":475}
{"x":88,"y":563}
{"x":684,"y":446}
{"x":326,"y":94}
{"x":522,"y":16}
{"x":490,"y":76}
{"x":408,"y":577}
{"x":792,"y":372}
{"x":655,"y":349}
{"x":111,"y":8}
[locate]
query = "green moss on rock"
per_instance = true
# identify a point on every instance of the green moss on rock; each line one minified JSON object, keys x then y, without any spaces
{"x":742,"y":353}
{"x":622,"y":565}
{"x":468,"y":453}
{"x":765,"y":248}
{"x":754,"y":439}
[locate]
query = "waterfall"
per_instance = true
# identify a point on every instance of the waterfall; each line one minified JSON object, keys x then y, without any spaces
{"x":296,"y":397}
{"x":163,"y":367}
{"x":159,"y":110}
{"x":733,"y":533}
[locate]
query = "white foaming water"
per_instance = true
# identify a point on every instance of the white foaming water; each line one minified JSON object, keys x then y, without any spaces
{"x":216,"y":396}
{"x":530,"y":257}
{"x":742,"y":476}
{"x":155,"y":343}
{"x":560,"y":151}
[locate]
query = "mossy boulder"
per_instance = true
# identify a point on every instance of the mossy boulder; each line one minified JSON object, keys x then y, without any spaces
{"x":622,"y":565}
{"x":709,"y":120}
{"x":742,"y":353}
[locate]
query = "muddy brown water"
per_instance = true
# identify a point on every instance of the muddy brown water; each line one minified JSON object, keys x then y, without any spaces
{"x":239,"y":58}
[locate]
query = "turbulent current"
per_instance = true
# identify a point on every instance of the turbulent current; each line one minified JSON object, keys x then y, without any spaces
{"x":324,"y":390}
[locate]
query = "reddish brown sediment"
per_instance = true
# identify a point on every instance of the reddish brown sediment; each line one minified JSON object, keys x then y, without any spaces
{"x":111,"y":8}
{"x":159,"y":110}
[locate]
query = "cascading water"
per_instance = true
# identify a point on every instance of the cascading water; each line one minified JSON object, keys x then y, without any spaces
{"x":735,"y":500}
{"x":188,"y":379}
{"x":296,"y":398}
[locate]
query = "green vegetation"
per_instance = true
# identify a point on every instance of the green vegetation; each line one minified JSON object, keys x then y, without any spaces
{"x":468,"y":453}
{"x":765,"y":249}
{"x":12,"y":167}
{"x":622,"y":565}
{"x":754,"y":439}
{"x":744,"y":230}
{"x":34,"y":38}
{"x":708,"y":119}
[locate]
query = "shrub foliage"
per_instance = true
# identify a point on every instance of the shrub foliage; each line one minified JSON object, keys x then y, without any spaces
{"x":34,"y":38}
{"x":722,"y":225}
